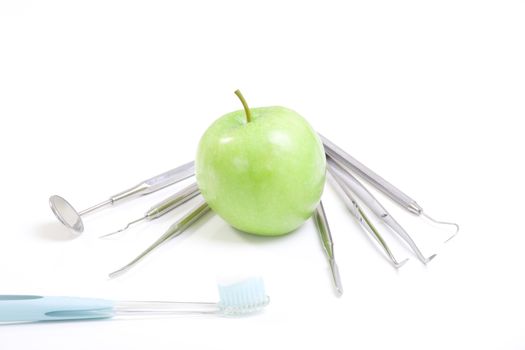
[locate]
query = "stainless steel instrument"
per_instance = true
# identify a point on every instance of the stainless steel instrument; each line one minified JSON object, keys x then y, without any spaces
{"x":328,"y":244}
{"x":350,"y":163}
{"x":373,"y":204}
{"x":173,"y":231}
{"x":347,"y":196}
{"x":72,"y":219}
{"x":163,"y":207}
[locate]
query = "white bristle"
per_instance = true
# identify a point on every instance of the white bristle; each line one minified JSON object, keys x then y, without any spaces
{"x":243,"y":297}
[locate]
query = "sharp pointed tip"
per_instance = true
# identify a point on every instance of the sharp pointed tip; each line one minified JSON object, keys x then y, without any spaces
{"x":448,"y":239}
{"x":110,"y":234}
{"x":124,"y":228}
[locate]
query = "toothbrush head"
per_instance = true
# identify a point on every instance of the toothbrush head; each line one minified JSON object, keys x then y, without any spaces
{"x":243,"y":297}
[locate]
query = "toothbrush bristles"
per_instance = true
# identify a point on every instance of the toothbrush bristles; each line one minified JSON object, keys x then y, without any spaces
{"x":243,"y":297}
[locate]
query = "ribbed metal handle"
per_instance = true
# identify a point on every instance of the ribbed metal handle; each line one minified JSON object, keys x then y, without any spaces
{"x":170,"y":177}
{"x":173,"y":201}
{"x":157,"y":182}
{"x":347,"y":161}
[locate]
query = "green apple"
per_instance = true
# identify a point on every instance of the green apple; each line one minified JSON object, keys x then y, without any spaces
{"x":261,"y":169}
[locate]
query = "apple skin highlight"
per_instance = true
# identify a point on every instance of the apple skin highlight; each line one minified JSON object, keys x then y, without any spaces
{"x":265,"y":176}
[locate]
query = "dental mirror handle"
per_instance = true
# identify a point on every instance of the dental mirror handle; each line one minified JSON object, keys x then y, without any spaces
{"x":346,"y":160}
{"x":157,"y":182}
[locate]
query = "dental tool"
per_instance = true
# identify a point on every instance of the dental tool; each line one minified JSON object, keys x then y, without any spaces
{"x":373,"y":204}
{"x":173,"y":231}
{"x":240,"y":298}
{"x":72,"y":219}
{"x":328,"y":245}
{"x":163,"y":207}
{"x":349,"y":162}
{"x":348,"y":198}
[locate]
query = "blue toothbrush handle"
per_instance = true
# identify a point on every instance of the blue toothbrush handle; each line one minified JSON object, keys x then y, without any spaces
{"x":31,"y":308}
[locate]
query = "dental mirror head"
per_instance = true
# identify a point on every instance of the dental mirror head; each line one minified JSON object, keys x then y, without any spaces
{"x":66,"y":214}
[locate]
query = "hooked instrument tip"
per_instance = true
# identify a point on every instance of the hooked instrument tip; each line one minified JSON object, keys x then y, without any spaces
{"x":430,"y":258}
{"x":443,"y":223}
{"x":397,"y":265}
{"x":122,"y":229}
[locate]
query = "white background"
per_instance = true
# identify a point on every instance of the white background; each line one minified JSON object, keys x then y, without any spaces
{"x":98,"y":95}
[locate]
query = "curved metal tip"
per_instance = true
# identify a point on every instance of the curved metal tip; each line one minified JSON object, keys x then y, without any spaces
{"x":118,"y":272}
{"x":111,"y":234}
{"x":66,"y":214}
{"x":122,"y":229}
{"x":443,"y":223}
{"x":398,"y":265}
{"x":453,"y":235}
{"x":430,"y":258}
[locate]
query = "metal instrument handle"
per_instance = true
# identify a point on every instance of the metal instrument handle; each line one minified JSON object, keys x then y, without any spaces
{"x":347,"y":161}
{"x":359,"y":190}
{"x":173,"y":231}
{"x":344,"y":191}
{"x":328,"y":244}
{"x":157,"y":182}
{"x":324,"y":230}
{"x":170,"y":177}
{"x":173,"y":201}
{"x":373,"y":204}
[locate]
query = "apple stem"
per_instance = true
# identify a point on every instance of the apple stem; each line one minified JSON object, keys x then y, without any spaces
{"x":245,"y":105}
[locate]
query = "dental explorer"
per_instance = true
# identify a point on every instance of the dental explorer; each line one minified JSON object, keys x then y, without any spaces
{"x":72,"y":219}
{"x":373,"y":204}
{"x":328,"y":245}
{"x":173,"y":231}
{"x":163,"y":207}
{"x":346,"y":195}
{"x":347,"y":161}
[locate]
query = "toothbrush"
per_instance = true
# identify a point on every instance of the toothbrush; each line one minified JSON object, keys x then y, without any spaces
{"x":236,"y":299}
